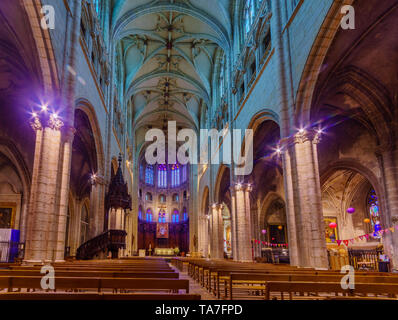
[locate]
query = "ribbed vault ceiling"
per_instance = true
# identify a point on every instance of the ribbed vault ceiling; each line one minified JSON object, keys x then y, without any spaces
{"x":168,"y":53}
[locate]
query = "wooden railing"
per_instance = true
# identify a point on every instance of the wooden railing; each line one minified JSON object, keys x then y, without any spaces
{"x":109,"y":241}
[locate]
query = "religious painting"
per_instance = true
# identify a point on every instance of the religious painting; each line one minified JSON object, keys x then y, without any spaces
{"x":7,"y":216}
{"x":162,"y":231}
{"x":330,"y":233}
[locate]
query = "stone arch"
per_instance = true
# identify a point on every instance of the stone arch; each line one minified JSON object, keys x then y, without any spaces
{"x":372,"y":97}
{"x":205,"y":201}
{"x":315,"y":61}
{"x":221,"y":171}
{"x":88,"y":109}
{"x":268,"y":200}
{"x":43,"y":45}
{"x":355,"y":166}
{"x":18,"y":182}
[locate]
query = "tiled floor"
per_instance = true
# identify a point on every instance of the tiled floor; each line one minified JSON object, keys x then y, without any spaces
{"x":194,"y":287}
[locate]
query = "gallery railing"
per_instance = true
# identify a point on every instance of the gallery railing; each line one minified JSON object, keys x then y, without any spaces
{"x":365,"y":259}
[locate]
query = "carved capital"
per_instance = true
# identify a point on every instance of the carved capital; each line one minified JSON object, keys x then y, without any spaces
{"x":36,"y":124}
{"x":302,"y":136}
{"x":317,"y":138}
{"x":55,"y":123}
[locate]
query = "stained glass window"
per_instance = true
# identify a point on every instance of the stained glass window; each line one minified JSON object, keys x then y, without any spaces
{"x":139,"y":212}
{"x":149,"y":215}
{"x":185,"y":214}
{"x":250,"y":14}
{"x":175,"y":217}
{"x":141,"y":172}
{"x":162,"y":176}
{"x":96,"y":4}
{"x":149,"y":175}
{"x":175,"y":175}
{"x":374,"y":212}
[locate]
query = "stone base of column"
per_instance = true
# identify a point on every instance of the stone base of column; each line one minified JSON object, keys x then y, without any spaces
{"x":31,"y":262}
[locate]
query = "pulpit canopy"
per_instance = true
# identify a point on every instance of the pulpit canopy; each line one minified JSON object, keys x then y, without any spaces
{"x":118,"y":196}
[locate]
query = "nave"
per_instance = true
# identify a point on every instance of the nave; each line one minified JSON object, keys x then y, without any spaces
{"x":189,"y":279}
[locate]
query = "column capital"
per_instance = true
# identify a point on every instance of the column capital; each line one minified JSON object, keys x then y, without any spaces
{"x":36,"y":124}
{"x":302,"y":136}
{"x":55,"y":123}
{"x":242,"y":187}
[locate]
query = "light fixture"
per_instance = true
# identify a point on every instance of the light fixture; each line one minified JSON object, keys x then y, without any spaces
{"x":43,"y":108}
{"x":301,"y":130}
{"x":55,"y":116}
{"x":34,"y":115}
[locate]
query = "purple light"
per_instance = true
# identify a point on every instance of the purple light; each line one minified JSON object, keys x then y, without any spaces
{"x":263,"y":231}
{"x":351,"y":210}
{"x":43,"y":108}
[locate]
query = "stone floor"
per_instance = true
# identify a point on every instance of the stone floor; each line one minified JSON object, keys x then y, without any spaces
{"x":194,"y":287}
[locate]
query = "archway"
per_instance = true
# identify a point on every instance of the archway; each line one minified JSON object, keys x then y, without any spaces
{"x":84,"y":167}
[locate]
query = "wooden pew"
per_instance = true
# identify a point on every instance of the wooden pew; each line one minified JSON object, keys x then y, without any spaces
{"x":327,"y":288}
{"x":92,"y":274}
{"x":257,"y":282}
{"x":98,"y":284}
{"x":96,"y":296}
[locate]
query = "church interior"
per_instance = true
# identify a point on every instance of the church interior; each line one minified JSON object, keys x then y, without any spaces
{"x":301,"y":98}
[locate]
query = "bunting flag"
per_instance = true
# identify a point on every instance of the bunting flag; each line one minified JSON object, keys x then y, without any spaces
{"x":346,"y":242}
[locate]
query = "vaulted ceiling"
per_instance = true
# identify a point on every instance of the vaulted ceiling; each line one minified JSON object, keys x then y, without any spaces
{"x":168,"y":54}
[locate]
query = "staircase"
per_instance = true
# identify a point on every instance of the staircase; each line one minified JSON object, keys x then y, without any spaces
{"x":110,"y":240}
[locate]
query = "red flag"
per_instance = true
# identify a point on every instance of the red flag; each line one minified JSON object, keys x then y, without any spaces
{"x":361,"y":237}
{"x":366,"y":236}
{"x":345,"y":242}
{"x":338,"y":242}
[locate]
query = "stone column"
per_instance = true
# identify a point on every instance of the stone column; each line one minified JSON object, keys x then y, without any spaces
{"x":234,"y":236}
{"x":243,"y":228}
{"x":216,"y":253}
{"x":42,"y":235}
{"x":203,"y":235}
{"x":64,"y":193}
{"x":388,"y":160}
{"x":290,"y":209}
{"x":313,"y":252}
{"x":220,"y":208}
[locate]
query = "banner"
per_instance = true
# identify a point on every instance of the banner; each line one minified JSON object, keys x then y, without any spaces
{"x":162,"y":231}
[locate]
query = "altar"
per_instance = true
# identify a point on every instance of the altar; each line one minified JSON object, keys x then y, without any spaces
{"x":164,"y":252}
